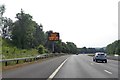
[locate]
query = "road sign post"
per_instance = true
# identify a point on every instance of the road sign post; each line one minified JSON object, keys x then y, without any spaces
{"x":53,"y":46}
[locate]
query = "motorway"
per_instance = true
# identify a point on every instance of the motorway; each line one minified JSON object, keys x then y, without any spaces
{"x":74,"y":66}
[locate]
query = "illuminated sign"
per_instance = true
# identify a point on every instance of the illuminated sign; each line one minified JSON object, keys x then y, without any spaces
{"x":53,"y":36}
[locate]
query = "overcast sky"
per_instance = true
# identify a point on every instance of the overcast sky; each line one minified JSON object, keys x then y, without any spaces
{"x":90,"y":23}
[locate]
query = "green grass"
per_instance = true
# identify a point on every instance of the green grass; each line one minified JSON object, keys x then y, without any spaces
{"x":9,"y":51}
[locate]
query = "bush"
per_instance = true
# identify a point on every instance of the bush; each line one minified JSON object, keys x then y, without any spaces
{"x":41,"y":49}
{"x":46,"y":51}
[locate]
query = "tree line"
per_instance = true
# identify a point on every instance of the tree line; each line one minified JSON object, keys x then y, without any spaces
{"x":90,"y":50}
{"x":113,"y":48}
{"x":24,"y":33}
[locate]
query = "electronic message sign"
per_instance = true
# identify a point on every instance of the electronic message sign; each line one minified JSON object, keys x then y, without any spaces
{"x":53,"y":36}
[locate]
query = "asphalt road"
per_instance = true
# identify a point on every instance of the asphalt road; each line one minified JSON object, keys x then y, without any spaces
{"x":82,"y":66}
{"x":38,"y":70}
{"x":76,"y":66}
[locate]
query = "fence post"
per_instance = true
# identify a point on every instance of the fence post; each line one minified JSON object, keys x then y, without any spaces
{"x":25,"y":60}
{"x":5,"y":63}
{"x":17,"y":62}
{"x":30,"y":60}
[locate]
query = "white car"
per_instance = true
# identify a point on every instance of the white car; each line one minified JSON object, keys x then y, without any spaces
{"x":99,"y":56}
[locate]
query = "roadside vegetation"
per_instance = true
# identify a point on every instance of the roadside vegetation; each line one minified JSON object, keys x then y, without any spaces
{"x":85,"y":50}
{"x":110,"y":49}
{"x":113,"y":48}
{"x":26,"y":38}
{"x":11,"y":51}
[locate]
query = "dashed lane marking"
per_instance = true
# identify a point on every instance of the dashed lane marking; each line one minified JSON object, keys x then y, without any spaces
{"x":108,"y":71}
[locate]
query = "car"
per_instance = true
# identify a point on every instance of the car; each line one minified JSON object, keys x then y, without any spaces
{"x":100,"y":56}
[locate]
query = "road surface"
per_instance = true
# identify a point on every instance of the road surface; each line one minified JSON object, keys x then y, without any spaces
{"x":74,"y":66}
{"x":82,"y":66}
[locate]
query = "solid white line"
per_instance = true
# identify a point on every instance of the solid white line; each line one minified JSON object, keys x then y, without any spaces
{"x":55,"y":72}
{"x":108,"y":71}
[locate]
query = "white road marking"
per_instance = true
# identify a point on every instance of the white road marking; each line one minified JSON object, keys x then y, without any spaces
{"x":108,"y":71}
{"x":55,"y":72}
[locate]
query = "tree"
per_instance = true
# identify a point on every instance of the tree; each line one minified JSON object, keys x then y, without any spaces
{"x":22,"y":33}
{"x":58,"y":46}
{"x":83,"y":50}
{"x":39,"y":35}
{"x":72,"y":47}
{"x":5,"y":23}
{"x":7,"y":28}
{"x":65,"y":48}
{"x":2,"y":10}
{"x":91,"y":50}
{"x":113,"y":48}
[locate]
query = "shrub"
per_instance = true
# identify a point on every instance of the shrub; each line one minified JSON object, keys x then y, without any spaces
{"x":41,"y":49}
